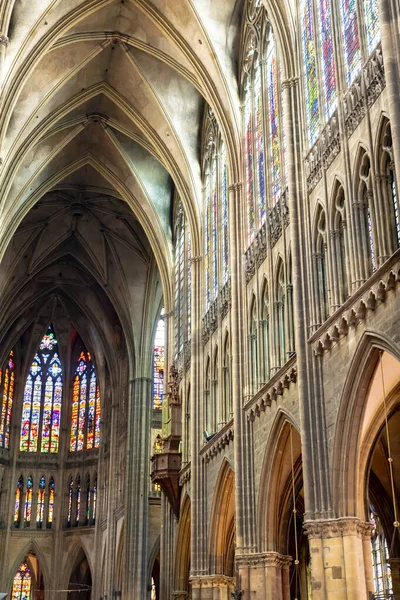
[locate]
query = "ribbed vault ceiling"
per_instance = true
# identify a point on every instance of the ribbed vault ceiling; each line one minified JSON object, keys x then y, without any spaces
{"x":100,"y":120}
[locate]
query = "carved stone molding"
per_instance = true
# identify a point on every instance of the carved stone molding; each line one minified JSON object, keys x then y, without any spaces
{"x":333,"y":528}
{"x":211,"y":581}
{"x":264,"y":559}
{"x":275,"y":387}
{"x":367,"y":298}
{"x":185,"y":474}
{"x":219,"y":441}
{"x":323,"y":152}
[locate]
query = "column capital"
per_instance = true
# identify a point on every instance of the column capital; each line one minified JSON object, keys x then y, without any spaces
{"x":210,"y":581}
{"x":333,"y":528}
{"x":4,"y":40}
{"x":264,"y":559}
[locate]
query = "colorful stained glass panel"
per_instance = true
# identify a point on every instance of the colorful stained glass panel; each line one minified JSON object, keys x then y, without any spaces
{"x":328,"y":57}
{"x":351,"y":39}
{"x":310,"y":70}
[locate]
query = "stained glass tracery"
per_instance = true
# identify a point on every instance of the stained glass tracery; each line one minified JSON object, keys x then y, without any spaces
{"x":50,"y":512}
{"x":18,"y":501}
{"x":85,"y":417}
{"x":248,"y":131}
{"x":21,"y":589}
{"x":351,"y":38}
{"x":158,"y":363}
{"x":28,"y":501}
{"x":7,"y":381}
{"x":40,"y":502}
{"x":372,"y":26}
{"x":42,"y":399}
{"x":310,"y":68}
{"x":328,"y":57}
{"x":224,"y":210}
{"x":274,"y":116}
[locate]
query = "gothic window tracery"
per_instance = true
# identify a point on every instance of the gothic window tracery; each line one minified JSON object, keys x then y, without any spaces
{"x":228,"y":413}
{"x":22,"y":584}
{"x":253,"y":346}
{"x":321,"y":266}
{"x":281,"y":326}
{"x":364,"y":216}
{"x":262,"y":120}
{"x":50,"y":509}
{"x":28,"y":501}
{"x":340,"y":243}
{"x":40,"y":502}
{"x":18,"y":501}
{"x":85,"y":418}
{"x":183,"y":282}
{"x":266,"y":332}
{"x":380,"y":557}
{"x":40,"y":425}
{"x":7,"y":382}
{"x":388,"y":177}
{"x":158,"y":362}
{"x":214,"y":171}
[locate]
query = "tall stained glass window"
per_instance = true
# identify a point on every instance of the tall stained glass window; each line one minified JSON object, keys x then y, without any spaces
{"x":274,"y":142}
{"x":40,"y":426}
{"x":214,"y":226}
{"x":158,"y":373}
{"x":310,"y":69}
{"x":7,"y":380}
{"x":50,"y":512}
{"x":249,"y":158}
{"x":70,"y":501}
{"x":28,"y":501}
{"x":189,"y":282}
{"x":372,"y":27}
{"x":40,"y":502}
{"x":94,"y":499}
{"x":259,"y":130}
{"x":85,"y":419}
{"x":380,"y":558}
{"x":207,"y":239}
{"x":78,"y":501}
{"x":179,"y":279}
{"x":18,"y":501}
{"x":328,"y":56}
{"x":224,"y":210}
{"x":351,"y":38}
{"x":22,"y":584}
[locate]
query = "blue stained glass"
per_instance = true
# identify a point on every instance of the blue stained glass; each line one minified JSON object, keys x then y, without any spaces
{"x":249,"y":160}
{"x":310,"y":70}
{"x":260,"y":159}
{"x":274,"y":123}
{"x":224,"y":200}
{"x":371,"y":11}
{"x":214,"y":218}
{"x":328,"y":56}
{"x":351,"y":39}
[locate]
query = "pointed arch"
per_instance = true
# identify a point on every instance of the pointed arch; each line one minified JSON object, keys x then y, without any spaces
{"x":280,"y":303}
{"x":253,"y":344}
{"x":274,"y":491}
{"x":80,"y":579}
{"x":222,"y":522}
{"x":364,"y":211}
{"x":182,"y":562}
{"x":348,"y":490}
{"x":30,"y":549}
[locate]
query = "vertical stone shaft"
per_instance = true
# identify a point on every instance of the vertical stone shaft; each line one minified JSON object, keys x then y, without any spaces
{"x":137,"y":488}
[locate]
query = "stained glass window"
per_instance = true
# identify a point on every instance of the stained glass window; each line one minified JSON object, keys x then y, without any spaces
{"x":28,"y":501}
{"x":78,"y":501}
{"x":260,"y":159}
{"x":18,"y":502}
{"x":371,"y":12}
{"x":42,"y":399}
{"x":70,"y":501}
{"x":249,"y":159}
{"x":395,"y":205}
{"x":153,"y":595}
{"x":380,"y":558}
{"x":85,"y":418}
{"x":328,"y":56}
{"x":94,"y":499}
{"x":21,"y":589}
{"x":224,"y":211}
{"x":214,"y":220}
{"x":40,"y":502}
{"x":207,"y":250}
{"x":50,"y":512}
{"x":351,"y":38}
{"x":88,"y":500}
{"x":158,"y":375}
{"x":274,"y":143}
{"x":6,"y":399}
{"x":310,"y":68}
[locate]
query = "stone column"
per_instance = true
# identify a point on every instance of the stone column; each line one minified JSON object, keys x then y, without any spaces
{"x":264,"y":576}
{"x":337,"y":558}
{"x":392,"y":75}
{"x":197,"y":529}
{"x":213,"y":587}
{"x":137,"y":488}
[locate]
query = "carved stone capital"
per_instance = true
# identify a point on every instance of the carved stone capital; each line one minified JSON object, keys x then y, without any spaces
{"x":212,"y":581}
{"x":3,"y":40}
{"x":332,"y":528}
{"x":264,"y":559}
